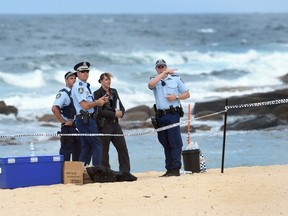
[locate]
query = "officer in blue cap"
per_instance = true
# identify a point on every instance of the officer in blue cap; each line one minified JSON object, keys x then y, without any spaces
{"x":85,"y":106}
{"x":168,"y":90}
{"x":63,"y":109}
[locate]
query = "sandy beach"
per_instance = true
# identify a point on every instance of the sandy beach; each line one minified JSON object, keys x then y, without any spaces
{"x":238,"y":191}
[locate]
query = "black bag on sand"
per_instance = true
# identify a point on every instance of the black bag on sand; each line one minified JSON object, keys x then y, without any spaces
{"x":101,"y":174}
{"x":126,"y":176}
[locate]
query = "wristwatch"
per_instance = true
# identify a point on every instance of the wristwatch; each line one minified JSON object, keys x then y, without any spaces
{"x":177,"y":97}
{"x":63,"y":123}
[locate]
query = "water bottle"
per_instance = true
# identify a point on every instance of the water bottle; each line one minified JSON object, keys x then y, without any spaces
{"x":196,"y":146}
{"x":32,"y":149}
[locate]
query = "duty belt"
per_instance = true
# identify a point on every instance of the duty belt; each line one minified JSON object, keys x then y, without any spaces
{"x":90,"y":115}
{"x":166,"y":111}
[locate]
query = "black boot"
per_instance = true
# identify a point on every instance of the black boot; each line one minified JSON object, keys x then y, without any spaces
{"x":165,"y":174}
{"x":173,"y":172}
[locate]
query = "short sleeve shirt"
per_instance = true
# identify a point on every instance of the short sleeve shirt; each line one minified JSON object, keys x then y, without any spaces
{"x":80,"y":92}
{"x":172,"y":84}
{"x":62,"y":99}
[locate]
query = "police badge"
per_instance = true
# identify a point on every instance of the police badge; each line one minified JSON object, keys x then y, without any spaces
{"x":58,"y":95}
{"x":80,"y":90}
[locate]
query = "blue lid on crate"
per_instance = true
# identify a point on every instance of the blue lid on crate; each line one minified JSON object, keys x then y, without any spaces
{"x":32,"y":159}
{"x":30,"y":171}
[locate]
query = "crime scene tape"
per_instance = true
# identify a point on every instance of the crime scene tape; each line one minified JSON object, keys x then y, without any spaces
{"x":257,"y":104}
{"x":145,"y":132}
{"x":150,"y":131}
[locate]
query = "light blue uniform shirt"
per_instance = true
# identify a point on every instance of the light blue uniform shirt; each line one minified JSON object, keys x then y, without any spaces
{"x":79,"y":93}
{"x":62,"y":99}
{"x":174,"y":85}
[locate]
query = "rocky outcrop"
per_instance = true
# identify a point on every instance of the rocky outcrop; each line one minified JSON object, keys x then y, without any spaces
{"x":139,"y":113}
{"x":256,"y":117}
{"x":137,"y":117}
{"x":254,"y":123}
{"x":264,"y":116}
{"x":4,"y":109}
{"x":48,"y":118}
{"x":284,"y":78}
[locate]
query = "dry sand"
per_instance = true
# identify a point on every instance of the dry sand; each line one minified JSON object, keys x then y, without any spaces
{"x":237,"y":191}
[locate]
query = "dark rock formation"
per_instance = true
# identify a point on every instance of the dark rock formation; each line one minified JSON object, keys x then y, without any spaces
{"x":264,"y":115}
{"x":137,"y":117}
{"x":4,"y":109}
{"x":139,"y":113}
{"x":284,"y":78}
{"x":255,"y":123}
{"x":255,"y":117}
{"x":48,"y":118}
{"x":219,"y":105}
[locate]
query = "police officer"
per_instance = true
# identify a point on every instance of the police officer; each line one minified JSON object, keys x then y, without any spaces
{"x":63,"y":109}
{"x":168,"y":90}
{"x":108,"y":123}
{"x":85,"y":105}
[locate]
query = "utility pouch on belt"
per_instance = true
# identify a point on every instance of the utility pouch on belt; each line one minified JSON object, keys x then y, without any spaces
{"x":84,"y":117}
{"x":154,"y":122}
{"x":180,"y":111}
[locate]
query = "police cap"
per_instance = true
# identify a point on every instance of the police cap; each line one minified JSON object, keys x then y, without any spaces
{"x":69,"y":73}
{"x":160,"y":62}
{"x":82,"y":66}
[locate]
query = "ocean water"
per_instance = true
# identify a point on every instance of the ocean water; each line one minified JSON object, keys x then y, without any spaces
{"x":210,"y":51}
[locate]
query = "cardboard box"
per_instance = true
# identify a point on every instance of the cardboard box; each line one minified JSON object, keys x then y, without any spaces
{"x":73,"y":172}
{"x":18,"y":172}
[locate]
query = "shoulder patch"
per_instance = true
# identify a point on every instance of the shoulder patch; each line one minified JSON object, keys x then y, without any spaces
{"x":58,"y":95}
{"x":80,"y":90}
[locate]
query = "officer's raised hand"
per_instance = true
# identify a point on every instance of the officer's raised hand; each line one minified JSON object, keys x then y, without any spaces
{"x":101,"y":101}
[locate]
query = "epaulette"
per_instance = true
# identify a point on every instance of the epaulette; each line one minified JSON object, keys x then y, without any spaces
{"x":175,"y":75}
{"x":65,"y":90}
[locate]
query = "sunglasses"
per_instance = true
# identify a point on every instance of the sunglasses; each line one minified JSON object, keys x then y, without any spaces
{"x":84,"y":71}
{"x":163,"y":83}
{"x":160,"y":66}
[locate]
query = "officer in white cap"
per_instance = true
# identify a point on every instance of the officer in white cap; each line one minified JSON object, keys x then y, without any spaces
{"x":85,"y":106}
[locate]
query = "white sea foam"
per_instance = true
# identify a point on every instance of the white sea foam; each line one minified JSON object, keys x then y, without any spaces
{"x":262,"y":75}
{"x":206,"y":30}
{"x":26,"y":80}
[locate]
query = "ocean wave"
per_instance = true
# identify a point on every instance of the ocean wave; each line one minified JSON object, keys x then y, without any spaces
{"x":206,"y":31}
{"x":205,"y":73}
{"x":26,"y":80}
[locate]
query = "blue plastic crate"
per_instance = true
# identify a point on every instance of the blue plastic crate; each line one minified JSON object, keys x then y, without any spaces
{"x":18,"y":172}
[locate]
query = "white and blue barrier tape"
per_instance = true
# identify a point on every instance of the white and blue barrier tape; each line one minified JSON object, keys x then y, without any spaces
{"x":150,"y":131}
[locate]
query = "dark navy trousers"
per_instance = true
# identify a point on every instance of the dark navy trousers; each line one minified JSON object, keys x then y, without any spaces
{"x":91,"y":145}
{"x":70,"y":145}
{"x":171,"y":140}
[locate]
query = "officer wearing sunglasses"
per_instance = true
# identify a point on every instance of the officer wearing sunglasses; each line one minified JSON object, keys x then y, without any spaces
{"x":168,"y":90}
{"x":85,"y":106}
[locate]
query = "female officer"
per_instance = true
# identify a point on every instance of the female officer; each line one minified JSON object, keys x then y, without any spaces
{"x":107,"y":118}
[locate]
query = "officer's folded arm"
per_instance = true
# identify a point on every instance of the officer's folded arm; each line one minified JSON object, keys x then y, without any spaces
{"x":184,"y":95}
{"x":153,"y":82}
{"x":88,"y":105}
